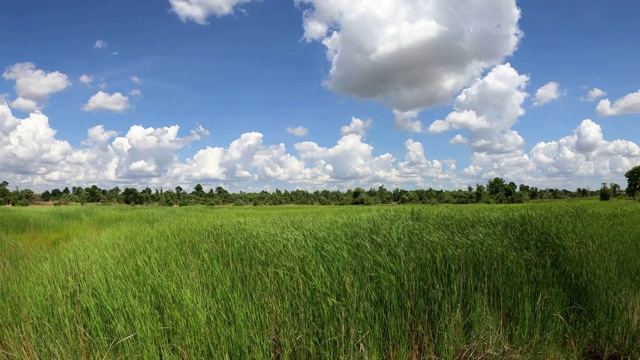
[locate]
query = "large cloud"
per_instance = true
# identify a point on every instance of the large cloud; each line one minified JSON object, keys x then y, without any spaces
{"x":33,"y":86}
{"x":629,"y":104}
{"x":33,"y":156}
{"x":199,"y":10}
{"x":488,"y":109}
{"x":410,"y":54}
{"x":585,"y":153}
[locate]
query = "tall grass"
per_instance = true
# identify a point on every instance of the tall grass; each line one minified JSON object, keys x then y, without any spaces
{"x":554,"y":280}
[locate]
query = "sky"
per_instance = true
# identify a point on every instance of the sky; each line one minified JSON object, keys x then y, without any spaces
{"x":318,"y":94}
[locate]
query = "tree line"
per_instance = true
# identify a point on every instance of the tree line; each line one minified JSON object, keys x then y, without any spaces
{"x":496,"y":191}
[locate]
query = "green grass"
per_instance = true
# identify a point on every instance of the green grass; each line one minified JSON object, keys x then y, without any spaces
{"x":545,"y":280}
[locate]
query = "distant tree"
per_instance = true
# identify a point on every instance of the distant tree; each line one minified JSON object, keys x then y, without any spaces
{"x":605,"y":192}
{"x":615,"y":189}
{"x":633,"y":181}
{"x":4,"y":193}
{"x":495,"y":186}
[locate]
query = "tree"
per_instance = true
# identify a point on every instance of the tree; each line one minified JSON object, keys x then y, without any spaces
{"x":633,"y":181}
{"x":605,"y":192}
{"x":615,"y":189}
{"x":4,"y":193}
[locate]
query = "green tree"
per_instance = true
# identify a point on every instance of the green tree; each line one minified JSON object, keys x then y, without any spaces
{"x":4,"y":193}
{"x":633,"y":181}
{"x":605,"y":192}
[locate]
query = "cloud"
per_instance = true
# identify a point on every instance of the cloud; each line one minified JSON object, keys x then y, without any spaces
{"x":102,"y":101}
{"x":86,"y":79}
{"x":100,"y":44}
{"x":135,"y":79}
{"x":199,"y":10}
{"x":585,"y":154}
{"x":298,"y":131}
{"x":24,"y":105}
{"x":34,"y":86}
{"x":549,"y":92}
{"x":410,"y":54}
{"x":357,"y":126}
{"x":629,"y":104}
{"x":135,"y":92}
{"x":34,"y":157}
{"x":407,"y":121}
{"x":416,"y":168}
{"x":595,"y":94}
{"x":488,"y":109}
{"x":29,"y":146}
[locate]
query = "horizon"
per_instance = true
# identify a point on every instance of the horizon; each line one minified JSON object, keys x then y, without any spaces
{"x":313,"y":94}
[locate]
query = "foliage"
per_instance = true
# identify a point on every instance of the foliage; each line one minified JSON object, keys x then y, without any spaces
{"x":541,"y":280}
{"x":605,"y":193}
{"x":633,"y":181}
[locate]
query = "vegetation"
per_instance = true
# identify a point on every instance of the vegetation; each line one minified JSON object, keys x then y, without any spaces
{"x":497,"y":191}
{"x":540,"y":280}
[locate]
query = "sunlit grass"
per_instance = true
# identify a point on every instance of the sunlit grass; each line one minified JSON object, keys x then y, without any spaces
{"x":547,"y":280}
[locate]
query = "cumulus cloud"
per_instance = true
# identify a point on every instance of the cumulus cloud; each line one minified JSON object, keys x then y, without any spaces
{"x":25,"y":105}
{"x":629,"y":104}
{"x":100,"y":44}
{"x":407,"y":121}
{"x":410,"y":54}
{"x":199,"y":10}
{"x":34,"y":86}
{"x":135,"y":92}
{"x":86,"y":79}
{"x":298,"y":131}
{"x":102,"y":101}
{"x":549,"y":92}
{"x":594,"y":94}
{"x":488,"y":109}
{"x":29,"y":146}
{"x":135,"y":79}
{"x":416,"y":168}
{"x":585,"y":153}
{"x":357,"y":126}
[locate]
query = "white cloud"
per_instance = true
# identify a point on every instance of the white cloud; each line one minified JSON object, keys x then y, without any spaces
{"x":459,"y":139}
{"x":135,"y":79}
{"x":594,"y":94}
{"x":100,"y":44}
{"x":629,"y":104}
{"x":7,"y":121}
{"x":199,"y":10}
{"x":146,"y":156}
{"x":29,"y":146}
{"x":410,"y":54}
{"x":102,"y":101}
{"x":135,"y":92}
{"x":298,"y":131}
{"x":488,"y":109}
{"x":86,"y":79}
{"x":549,"y":92}
{"x":25,"y":105}
{"x":407,"y":121}
{"x":416,"y":168}
{"x":357,"y":126}
{"x":585,"y":154}
{"x":33,"y":86}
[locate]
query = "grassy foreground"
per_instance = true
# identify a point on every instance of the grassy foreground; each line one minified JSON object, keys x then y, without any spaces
{"x":547,"y":280}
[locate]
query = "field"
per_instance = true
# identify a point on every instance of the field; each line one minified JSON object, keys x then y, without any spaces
{"x":556,"y":280}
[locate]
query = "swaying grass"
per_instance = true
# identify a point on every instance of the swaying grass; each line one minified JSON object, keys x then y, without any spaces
{"x":540,"y":281}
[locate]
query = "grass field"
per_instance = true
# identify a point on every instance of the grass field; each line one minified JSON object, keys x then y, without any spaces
{"x":557,"y":280}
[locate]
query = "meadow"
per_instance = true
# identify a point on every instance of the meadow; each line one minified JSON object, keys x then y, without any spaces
{"x":551,"y":280}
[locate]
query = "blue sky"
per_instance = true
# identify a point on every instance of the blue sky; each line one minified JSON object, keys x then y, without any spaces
{"x":318,"y":94}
